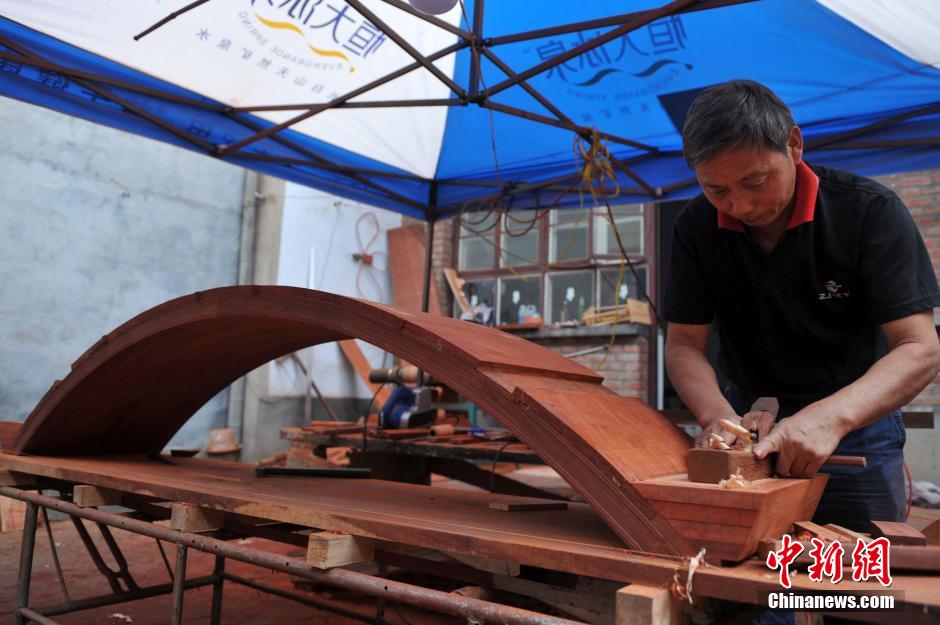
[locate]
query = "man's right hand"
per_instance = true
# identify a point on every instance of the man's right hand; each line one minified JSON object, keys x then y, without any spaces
{"x":714,"y":427}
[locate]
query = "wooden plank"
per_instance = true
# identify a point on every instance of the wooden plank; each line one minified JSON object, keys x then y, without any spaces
{"x":490,"y":565}
{"x":844,"y":531}
{"x":897,"y":533}
{"x":819,"y":531}
{"x":713,"y":465}
{"x":406,"y":257}
{"x":357,"y":359}
{"x":456,"y":288}
{"x":327,"y":550}
{"x":573,"y":541}
{"x":17,"y":480}
{"x":87,"y":496}
{"x":527,"y":506}
{"x":646,"y":605}
{"x":12,"y":514}
{"x":186,"y":517}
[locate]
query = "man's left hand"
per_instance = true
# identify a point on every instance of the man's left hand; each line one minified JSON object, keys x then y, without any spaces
{"x":803,"y":442}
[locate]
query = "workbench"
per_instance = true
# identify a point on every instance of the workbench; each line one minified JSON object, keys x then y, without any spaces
{"x":524,"y":547}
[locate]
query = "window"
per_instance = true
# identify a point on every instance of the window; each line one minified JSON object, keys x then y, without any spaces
{"x":555,"y":267}
{"x":477,"y":243}
{"x":569,"y":293}
{"x":569,"y":235}
{"x":629,"y":220}
{"x":520,"y":299}
{"x":519,"y":239}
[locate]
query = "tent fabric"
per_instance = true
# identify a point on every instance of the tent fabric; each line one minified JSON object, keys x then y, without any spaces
{"x":861,"y":79}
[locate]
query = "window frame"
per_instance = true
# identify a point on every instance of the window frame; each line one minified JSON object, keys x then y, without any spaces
{"x":593,"y":261}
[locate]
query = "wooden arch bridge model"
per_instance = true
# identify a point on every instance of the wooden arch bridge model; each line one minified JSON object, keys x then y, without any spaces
{"x":132,"y":390}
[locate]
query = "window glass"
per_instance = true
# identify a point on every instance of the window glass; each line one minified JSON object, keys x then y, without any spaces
{"x":520,"y":298}
{"x":629,"y":220}
{"x":568,"y":294}
{"x":520,"y":240}
{"x":616,"y":288}
{"x":569,"y":235}
{"x":477,"y":242}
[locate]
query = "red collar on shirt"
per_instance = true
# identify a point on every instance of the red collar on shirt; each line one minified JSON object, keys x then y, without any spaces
{"x":807,"y":184}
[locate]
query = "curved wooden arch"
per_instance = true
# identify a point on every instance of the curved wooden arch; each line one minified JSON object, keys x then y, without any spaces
{"x":132,"y":390}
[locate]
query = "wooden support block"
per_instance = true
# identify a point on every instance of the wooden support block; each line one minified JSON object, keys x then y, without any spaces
{"x":713,"y":465}
{"x":932,"y":533}
{"x":327,"y":550}
{"x":12,"y":514}
{"x":897,"y":533}
{"x":490,"y":565}
{"x":185,"y":517}
{"x":646,"y":605}
{"x":819,"y":531}
{"x":85,"y":496}
{"x":521,"y":505}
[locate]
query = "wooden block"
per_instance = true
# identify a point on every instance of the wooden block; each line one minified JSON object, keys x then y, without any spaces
{"x":713,"y":465}
{"x":819,"y":531}
{"x":932,"y":532}
{"x":490,"y":565}
{"x":845,"y":532}
{"x":12,"y":514}
{"x":897,"y":533}
{"x":646,"y":605}
{"x":185,"y":517}
{"x":327,"y":550}
{"x":85,"y":496}
{"x":523,"y":506}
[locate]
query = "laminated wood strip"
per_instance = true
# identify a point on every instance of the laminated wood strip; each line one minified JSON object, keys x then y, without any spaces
{"x":114,"y":401}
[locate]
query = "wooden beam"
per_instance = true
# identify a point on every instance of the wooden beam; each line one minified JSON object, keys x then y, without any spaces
{"x":327,"y":550}
{"x":85,"y":496}
{"x":9,"y":430}
{"x":185,"y":517}
{"x":490,"y":565}
{"x":456,"y":288}
{"x":17,"y":479}
{"x":645,"y":605}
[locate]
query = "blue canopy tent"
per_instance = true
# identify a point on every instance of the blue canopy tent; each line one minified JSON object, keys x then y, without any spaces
{"x":431,"y":116}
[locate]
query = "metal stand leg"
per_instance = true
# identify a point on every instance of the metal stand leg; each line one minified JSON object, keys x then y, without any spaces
{"x":176,"y":616}
{"x":26,"y":562}
{"x":218,"y":575}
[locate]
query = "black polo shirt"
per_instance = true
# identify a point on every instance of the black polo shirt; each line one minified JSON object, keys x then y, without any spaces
{"x":802,"y":322}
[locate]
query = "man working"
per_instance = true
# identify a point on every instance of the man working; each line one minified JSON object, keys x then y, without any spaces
{"x":822,"y":294}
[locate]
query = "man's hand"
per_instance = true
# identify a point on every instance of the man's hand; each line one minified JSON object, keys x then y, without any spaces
{"x":714,"y":427}
{"x":803,"y":442}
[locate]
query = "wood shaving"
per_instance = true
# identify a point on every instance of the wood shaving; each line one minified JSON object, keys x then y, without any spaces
{"x":735,"y":480}
{"x":677,"y":589}
{"x":743,"y":437}
{"x":716,"y":442}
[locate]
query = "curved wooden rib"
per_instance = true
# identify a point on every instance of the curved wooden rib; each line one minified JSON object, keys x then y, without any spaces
{"x":131,"y":391}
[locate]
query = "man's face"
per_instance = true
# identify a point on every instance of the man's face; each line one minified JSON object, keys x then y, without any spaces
{"x":754,"y":185}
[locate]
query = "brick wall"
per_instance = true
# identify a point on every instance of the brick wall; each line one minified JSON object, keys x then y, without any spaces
{"x":624,"y":368}
{"x":920,"y":191}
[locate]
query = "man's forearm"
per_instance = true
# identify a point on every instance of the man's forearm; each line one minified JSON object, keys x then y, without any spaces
{"x":696,"y":383}
{"x":889,"y":384}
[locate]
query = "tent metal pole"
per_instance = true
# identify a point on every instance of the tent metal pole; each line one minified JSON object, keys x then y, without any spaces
{"x":319,"y":108}
{"x":407,"y":47}
{"x":429,"y":251}
{"x":476,"y":49}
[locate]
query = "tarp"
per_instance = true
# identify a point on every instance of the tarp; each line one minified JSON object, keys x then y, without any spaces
{"x":861,"y":77}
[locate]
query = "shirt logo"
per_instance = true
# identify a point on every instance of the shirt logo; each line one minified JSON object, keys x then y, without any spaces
{"x":833,"y":290}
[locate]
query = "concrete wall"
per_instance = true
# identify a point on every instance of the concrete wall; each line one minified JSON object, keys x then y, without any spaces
{"x":97,"y":225}
{"x":306,"y":239}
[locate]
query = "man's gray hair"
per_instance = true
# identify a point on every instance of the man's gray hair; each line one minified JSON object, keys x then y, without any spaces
{"x":733,"y":114}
